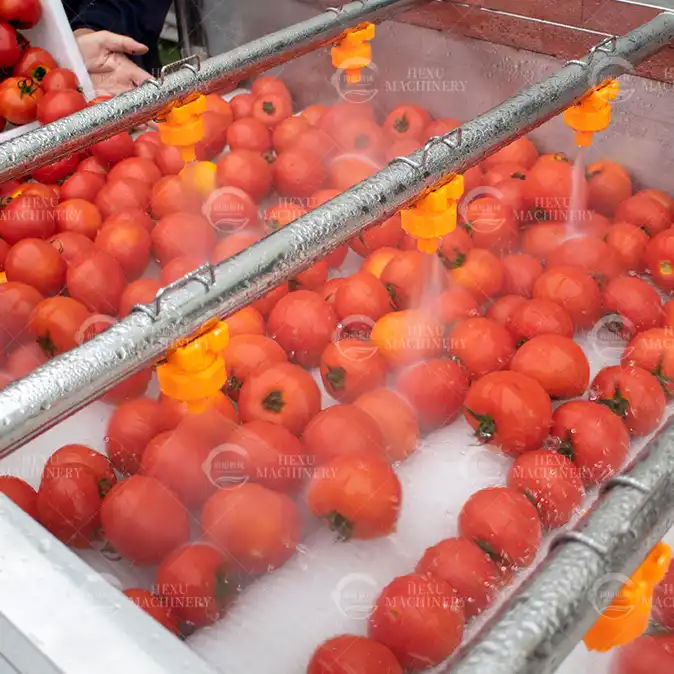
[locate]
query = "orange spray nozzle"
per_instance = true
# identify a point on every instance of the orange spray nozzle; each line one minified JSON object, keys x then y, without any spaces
{"x":626,"y":617}
{"x":434,"y":215}
{"x":195,"y":373}
{"x":591,"y":113}
{"x":183,"y":127}
{"x":354,"y":51}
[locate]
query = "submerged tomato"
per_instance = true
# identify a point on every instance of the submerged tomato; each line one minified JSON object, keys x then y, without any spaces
{"x":482,"y":345}
{"x":351,"y":654}
{"x":154,"y":606}
{"x":20,"y":492}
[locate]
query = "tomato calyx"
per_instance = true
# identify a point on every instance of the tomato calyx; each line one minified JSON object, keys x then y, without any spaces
{"x":489,"y":551}
{"x":27,"y":87}
{"x":39,"y":73}
{"x":618,"y":404}
{"x":222,"y":588}
{"x":401,"y":124}
{"x":232,"y":384}
{"x":662,"y":378}
{"x":486,"y":428}
{"x":468,"y":226}
{"x":268,"y":108}
{"x":520,"y":342}
{"x":45,"y":343}
{"x":393,"y":296}
{"x":561,"y":156}
{"x":566,"y":448}
{"x":591,"y":174}
{"x":453,"y":262}
{"x":293,"y":284}
{"x":340,"y":525}
{"x":518,"y":175}
{"x":539,"y":214}
{"x":104,"y":486}
{"x":336,"y":377}
{"x":269,"y":156}
{"x":273,"y":401}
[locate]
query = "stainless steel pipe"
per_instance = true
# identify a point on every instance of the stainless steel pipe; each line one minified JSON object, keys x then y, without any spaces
{"x":543,"y":621}
{"x":69,"y":381}
{"x":19,"y":156}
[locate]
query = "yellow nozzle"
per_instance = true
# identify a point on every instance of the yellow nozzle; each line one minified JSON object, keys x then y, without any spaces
{"x":591,"y":113}
{"x":3,"y":277}
{"x":626,"y":618}
{"x":199,"y":176}
{"x":183,"y":127}
{"x":354,"y":52}
{"x":196,"y":372}
{"x":434,"y":215}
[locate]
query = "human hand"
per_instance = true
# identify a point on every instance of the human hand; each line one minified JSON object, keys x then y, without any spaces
{"x":104,"y":57}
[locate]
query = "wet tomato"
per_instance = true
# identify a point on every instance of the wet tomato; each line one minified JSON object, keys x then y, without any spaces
{"x":56,"y":104}
{"x":376,"y":262}
{"x":286,"y":131}
{"x":57,"y":324}
{"x":85,"y":456}
{"x":645,"y":212}
{"x":59,"y":79}
{"x":268,"y":84}
{"x":68,"y":504}
{"x":435,"y":389}
{"x":521,"y":151}
{"x":97,"y":280}
{"x":358,"y":494}
{"x":19,"y":99}
{"x":247,"y":170}
{"x":272,"y":108}
{"x":440,"y":127}
{"x":631,"y":392}
{"x":491,"y":224}
{"x":298,"y":173}
{"x":387,"y":234}
{"x":128,"y":388}
{"x":362,"y":136}
{"x":556,"y":362}
{"x":182,"y":234}
{"x":592,"y":255}
{"x":454,"y":246}
{"x":351,"y":654}
{"x":594,"y":438}
{"x":230,"y":210}
{"x":123,"y":194}
{"x":645,"y":655}
{"x":636,"y":302}
{"x":20,"y":492}
{"x":539,"y":317}
{"x":257,"y":528}
{"x":268,"y":301}
{"x":34,"y":61}
{"x":608,"y":185}
{"x":282,"y":214}
{"x":168,"y":160}
{"x":482,"y":345}
{"x":193,"y":580}
{"x":113,"y":149}
{"x":78,"y":215}
{"x":28,"y":215}
{"x":154,"y":606}
{"x":456,"y":303}
{"x":407,"y":121}
{"x":653,"y":350}
{"x":142,"y":291}
{"x":551,"y":482}
{"x":659,"y":259}
{"x":171,"y":195}
{"x":242,"y":105}
{"x":82,"y":185}
{"x":143,"y":520}
{"x":481,"y":272}
{"x":94,"y":165}
{"x":510,"y":410}
{"x":502,"y":308}
{"x":542,"y":238}
{"x":246,"y":321}
{"x":214,"y":139}
{"x":10,"y":51}
{"x":467,"y":568}
{"x":135,"y":168}
{"x":520,"y":272}
{"x":362,"y":294}
{"x":630,"y":242}
{"x":313,"y":114}
{"x":547,"y":189}
{"x":420,"y":618}
{"x":250,"y":134}
{"x":406,"y":278}
{"x":283,"y":393}
{"x":37,"y":263}
{"x":234,"y":243}
{"x":24,"y":359}
{"x":129,"y":243}
{"x":661,"y":197}
{"x":312,"y":278}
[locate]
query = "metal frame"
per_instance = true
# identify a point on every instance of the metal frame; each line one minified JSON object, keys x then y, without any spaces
{"x":21,"y":155}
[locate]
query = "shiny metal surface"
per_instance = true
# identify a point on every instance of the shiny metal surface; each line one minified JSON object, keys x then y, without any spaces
{"x":541,"y":623}
{"x":69,"y":381}
{"x":667,"y":5}
{"x":18,"y":157}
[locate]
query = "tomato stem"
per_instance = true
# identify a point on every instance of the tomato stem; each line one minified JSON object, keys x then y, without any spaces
{"x":664,"y":380}
{"x":268,"y":107}
{"x":453,"y":262}
{"x":566,"y":447}
{"x":486,"y":428}
{"x":618,"y":404}
{"x":273,"y":401}
{"x":489,"y":551}
{"x":339,"y":524}
{"x":222,"y":588}
{"x":393,"y":295}
{"x":401,"y":124}
{"x":336,"y":377}
{"x":518,"y":175}
{"x":45,"y":343}
{"x":232,"y":385}
{"x":104,"y":486}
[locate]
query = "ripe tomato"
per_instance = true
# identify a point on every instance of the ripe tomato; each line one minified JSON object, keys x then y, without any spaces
{"x":420,"y":618}
{"x":404,"y":337}
{"x":78,"y":215}
{"x":467,"y":568}
{"x":146,"y":149}
{"x":215,"y":135}
{"x":287,"y":131}
{"x":491,"y":224}
{"x":143,"y":520}
{"x":250,"y":134}
{"x":590,"y":254}
{"x":168,"y":160}
{"x":316,"y":143}
{"x":193,"y":581}
{"x":346,"y":170}
{"x":17,"y":302}
{"x":497,"y":173}
{"x":230,"y":209}
{"x":123,"y":194}
{"x":456,"y":303}
{"x":19,"y":98}
{"x":37,"y":263}
{"x":128,"y":243}
{"x":521,"y":151}
{"x":313,"y":114}
{"x":407,"y":121}
{"x":556,"y":362}
{"x":113,"y":149}
{"x":653,"y":350}
{"x":242,"y":105}
{"x":396,"y":420}
{"x":542,"y":238}
{"x":97,"y":280}
{"x":171,"y":195}
{"x":509,"y":409}
{"x":27,"y":215}
{"x":547,"y":189}
{"x":56,"y":323}
{"x":539,"y":317}
{"x":59,"y":462}
{"x":58,"y":170}
{"x":182,"y":234}
{"x":282,"y":214}
{"x":268,"y":84}
{"x":298,"y":173}
{"x":10,"y":51}
{"x":154,"y":606}
{"x":268,"y":301}
{"x":362,"y":294}
{"x":303,"y":324}
{"x":376,"y":262}
{"x":481,"y":272}
{"x":177,"y":267}
{"x":406,"y":278}
{"x":94,"y":165}
{"x":659,"y":259}
{"x":247,"y":353}
{"x":659,"y":196}
{"x":272,"y":108}
{"x":57,"y":104}
{"x":246,"y":321}
{"x":634,"y":394}
{"x":358,"y":494}
{"x":255,"y":527}
{"x":520,"y":272}
{"x":131,"y":427}
{"x":34,"y":62}
{"x":441,"y":127}
{"x":4,"y":249}
{"x":630,"y":242}
{"x":20,"y":492}
{"x":645,"y":655}
{"x":349,"y":367}
{"x":387,"y":234}
{"x":594,"y":438}
{"x":82,"y":185}
{"x":482,"y":345}
{"x":663,"y":604}
{"x":59,"y":79}
{"x":24,"y":359}
{"x":350,"y":654}
{"x":283,"y":393}
{"x":645,"y":212}
{"x":247,"y":170}
{"x":608,"y":185}
{"x":502,"y":308}
{"x":574,"y":290}
{"x":435,"y":389}
{"x":362,"y":136}
{"x":234,"y":243}
{"x":504,"y":523}
{"x":636,"y":301}
{"x":135,"y":168}
{"x":312,"y":278}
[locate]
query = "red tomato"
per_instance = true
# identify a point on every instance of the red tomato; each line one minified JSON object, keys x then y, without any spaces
{"x":387,"y":234}
{"x":318,"y":144}
{"x":10,"y":51}
{"x":346,"y":170}
{"x":20,"y":492}
{"x":510,"y":410}
{"x":27,"y":215}
{"x":632,"y":393}
{"x":282,"y":214}
{"x":407,"y":121}
{"x":250,"y":134}
{"x":272,"y":108}
{"x":230,"y":209}
{"x":268,"y":84}
{"x":590,"y":254}
{"x":547,"y":188}
{"x":467,"y":568}
{"x":113,"y":149}
{"x":376,"y":262}
{"x":37,"y":263}
{"x":659,"y":196}
{"x":435,"y":389}
{"x":312,"y":278}
{"x":138,"y":216}
{"x":297,"y":173}
{"x":56,"y":171}
{"x":645,"y":655}
{"x":154,"y":606}
{"x":57,"y":323}
{"x":82,"y":455}
{"x":497,"y":173}
{"x":234,"y":243}
{"x":247,"y":170}
{"x":481,"y":272}
{"x":287,"y":131}
{"x":358,"y":494}
{"x":131,"y":427}
{"x":128,"y":388}
{"x":608,"y":185}
{"x":182,"y":234}
{"x":349,"y":367}
{"x":556,"y":362}
{"x":193,"y":580}
{"x":246,"y":321}
{"x":283,"y":393}
{"x":171,"y":195}
{"x":34,"y":62}
{"x":630,"y":242}
{"x":303,"y":324}
{"x":420,"y":618}
{"x":491,"y":224}
{"x":59,"y":79}
{"x":542,"y":238}
{"x":94,"y":165}
{"x":215,"y":135}
{"x":242,"y":105}
{"x":659,"y":259}
{"x":653,"y":350}
{"x":456,"y":303}
{"x":123,"y":194}
{"x":504,"y":523}
{"x":97,"y":280}
{"x":539,"y":317}
{"x":178,"y":267}
{"x":143,"y":520}
{"x":56,"y":104}
{"x":129,"y":243}
{"x":482,"y":345}
{"x":663,"y":596}
{"x":79,"y":216}
{"x":502,"y":308}
{"x":362,"y":136}
{"x":24,"y":359}
{"x":521,"y":151}
{"x":19,"y":98}
{"x":645,"y":212}
{"x":216,"y":103}
{"x":362,"y":294}
{"x":313,"y":114}
{"x":551,"y":481}
{"x":268,"y":301}
{"x":520,"y":272}
{"x":637,"y":303}
{"x":441,"y":127}
{"x":135,"y":168}
{"x":4,"y":249}
{"x":68,"y":504}
{"x":82,"y":185}
{"x":574,"y":290}
{"x":350,"y":654}
{"x":406,"y":278}
{"x":256,"y":527}
{"x":168,"y":160}
{"x":594,"y":438}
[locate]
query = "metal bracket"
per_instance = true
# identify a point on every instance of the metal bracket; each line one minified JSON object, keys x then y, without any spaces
{"x":626,"y":481}
{"x":191,"y":63}
{"x":452,"y":140}
{"x":606,"y":46}
{"x":578,"y":537}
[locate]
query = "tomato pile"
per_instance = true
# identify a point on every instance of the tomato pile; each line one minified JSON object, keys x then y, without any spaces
{"x":408,"y":344}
